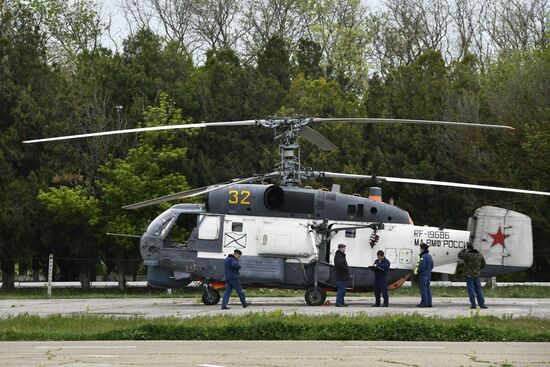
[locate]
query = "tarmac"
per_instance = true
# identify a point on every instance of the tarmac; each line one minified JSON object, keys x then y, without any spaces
{"x":272,"y":353}
{"x":192,"y":307}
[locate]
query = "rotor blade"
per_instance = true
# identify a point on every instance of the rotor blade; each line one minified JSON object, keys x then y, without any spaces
{"x":367,"y":120}
{"x":190,"y":193}
{"x":430,"y":182}
{"x":317,"y":138}
{"x":142,"y":129}
{"x":123,"y":235}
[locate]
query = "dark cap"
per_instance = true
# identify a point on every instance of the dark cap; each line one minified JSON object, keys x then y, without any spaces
{"x":238,"y":252}
{"x":341,"y":246}
{"x":423,"y":246}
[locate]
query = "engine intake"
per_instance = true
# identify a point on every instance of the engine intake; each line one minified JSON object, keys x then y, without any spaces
{"x":274,"y":197}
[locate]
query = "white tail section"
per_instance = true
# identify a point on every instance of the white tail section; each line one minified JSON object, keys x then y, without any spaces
{"x":505,"y":239}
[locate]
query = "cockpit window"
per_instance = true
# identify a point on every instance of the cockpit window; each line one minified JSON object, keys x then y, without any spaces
{"x":180,"y":232}
{"x":160,"y":222}
{"x":163,"y":230}
{"x":209,"y":227}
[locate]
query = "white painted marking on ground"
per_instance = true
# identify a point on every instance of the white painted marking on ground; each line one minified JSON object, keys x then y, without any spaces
{"x":85,"y":347}
{"x":210,"y":365}
{"x":388,"y":347}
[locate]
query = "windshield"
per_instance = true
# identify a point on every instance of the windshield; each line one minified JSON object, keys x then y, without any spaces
{"x":161,"y":223}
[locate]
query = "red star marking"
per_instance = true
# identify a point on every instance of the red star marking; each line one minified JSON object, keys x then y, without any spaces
{"x":499,"y":237}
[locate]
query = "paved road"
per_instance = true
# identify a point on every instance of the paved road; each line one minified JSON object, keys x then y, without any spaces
{"x":190,"y":307}
{"x":272,"y":353}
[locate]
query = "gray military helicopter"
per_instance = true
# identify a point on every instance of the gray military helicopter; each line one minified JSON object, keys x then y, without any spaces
{"x":288,"y":234}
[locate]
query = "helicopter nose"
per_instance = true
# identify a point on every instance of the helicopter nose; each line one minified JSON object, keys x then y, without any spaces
{"x":150,"y":246}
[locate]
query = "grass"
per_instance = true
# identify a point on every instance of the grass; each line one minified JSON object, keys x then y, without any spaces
{"x":37,"y":293}
{"x":276,"y":326}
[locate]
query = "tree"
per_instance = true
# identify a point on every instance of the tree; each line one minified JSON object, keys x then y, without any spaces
{"x":75,"y":213}
{"x":341,"y":29}
{"x":515,"y":93}
{"x":216,"y":22}
{"x":73,"y":26}
{"x":273,"y":61}
{"x":308,"y":57}
{"x":27,"y":98}
{"x":150,"y":169}
{"x":268,"y":19}
{"x":175,"y":18}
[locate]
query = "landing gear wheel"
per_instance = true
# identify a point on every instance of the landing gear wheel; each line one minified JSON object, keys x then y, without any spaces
{"x":210,"y":296}
{"x":315,"y":296}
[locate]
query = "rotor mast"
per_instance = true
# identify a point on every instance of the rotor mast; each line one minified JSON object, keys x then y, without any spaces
{"x":289,"y":167}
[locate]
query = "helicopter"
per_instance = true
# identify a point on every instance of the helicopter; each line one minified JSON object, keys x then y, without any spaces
{"x":288,"y":234}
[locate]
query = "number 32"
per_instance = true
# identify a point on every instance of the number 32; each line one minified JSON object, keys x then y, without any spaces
{"x":239,"y":198}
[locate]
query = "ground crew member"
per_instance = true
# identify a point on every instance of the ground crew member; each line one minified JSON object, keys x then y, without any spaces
{"x":232,"y":279}
{"x":424,"y":270}
{"x":473,"y":263}
{"x":342,"y":274}
{"x":380,"y":267}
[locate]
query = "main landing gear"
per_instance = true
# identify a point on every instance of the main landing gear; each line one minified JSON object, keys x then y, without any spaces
{"x":210,"y":296}
{"x":315,"y":296}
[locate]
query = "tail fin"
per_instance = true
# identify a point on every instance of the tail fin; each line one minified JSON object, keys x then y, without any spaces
{"x":505,"y":239}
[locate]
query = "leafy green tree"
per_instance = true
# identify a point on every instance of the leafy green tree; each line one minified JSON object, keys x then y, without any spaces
{"x":75,"y":215}
{"x":341,"y":29}
{"x":274,"y":61}
{"x":308,"y":57}
{"x":150,"y":169}
{"x":27,"y":101}
{"x":515,"y":92}
{"x":74,"y":26}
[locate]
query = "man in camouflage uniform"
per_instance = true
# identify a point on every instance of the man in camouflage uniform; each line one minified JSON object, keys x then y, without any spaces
{"x":473,"y":263}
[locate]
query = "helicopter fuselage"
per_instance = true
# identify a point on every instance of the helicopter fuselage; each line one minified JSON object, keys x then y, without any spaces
{"x":288,"y":237}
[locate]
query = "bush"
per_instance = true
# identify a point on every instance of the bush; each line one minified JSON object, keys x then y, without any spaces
{"x":276,"y":326}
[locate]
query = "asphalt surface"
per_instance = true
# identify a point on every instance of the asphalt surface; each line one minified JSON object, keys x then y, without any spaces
{"x":191,"y":307}
{"x":272,"y":353}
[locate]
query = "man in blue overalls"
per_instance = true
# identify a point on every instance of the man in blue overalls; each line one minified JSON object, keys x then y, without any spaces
{"x":232,"y":279}
{"x":380,"y":267}
{"x":424,"y":270}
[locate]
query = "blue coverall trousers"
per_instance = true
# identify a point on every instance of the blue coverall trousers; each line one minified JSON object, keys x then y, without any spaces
{"x":341,"y":292}
{"x":381,"y":289}
{"x":474,"y":288}
{"x":229,"y":286}
{"x":425,"y":290}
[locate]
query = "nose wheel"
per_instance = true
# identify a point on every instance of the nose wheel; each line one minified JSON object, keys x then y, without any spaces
{"x":210,"y":296}
{"x":315,"y":296}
